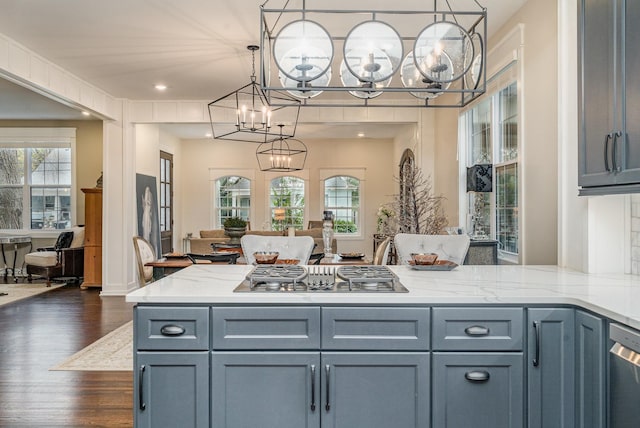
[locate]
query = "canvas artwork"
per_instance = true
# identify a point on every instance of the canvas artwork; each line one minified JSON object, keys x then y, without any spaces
{"x":148,"y":212}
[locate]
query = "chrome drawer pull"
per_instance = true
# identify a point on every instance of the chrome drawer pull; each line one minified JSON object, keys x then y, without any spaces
{"x":327,"y":370}
{"x":477,"y":376}
{"x":477,"y":330}
{"x":172,"y":330}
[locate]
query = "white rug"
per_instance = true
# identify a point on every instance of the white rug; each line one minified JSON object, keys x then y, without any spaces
{"x":113,"y":352}
{"x":22,"y":290}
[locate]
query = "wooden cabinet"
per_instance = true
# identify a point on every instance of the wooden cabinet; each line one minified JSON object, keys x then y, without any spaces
{"x":609,"y":97}
{"x":92,"y":238}
{"x":551,"y":367}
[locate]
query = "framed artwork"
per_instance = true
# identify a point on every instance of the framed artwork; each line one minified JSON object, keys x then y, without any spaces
{"x":148,"y":212}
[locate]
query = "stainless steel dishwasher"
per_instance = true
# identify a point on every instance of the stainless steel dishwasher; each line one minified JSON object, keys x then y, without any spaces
{"x":624,"y":371}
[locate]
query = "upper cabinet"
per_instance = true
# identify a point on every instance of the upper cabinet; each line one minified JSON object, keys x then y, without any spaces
{"x":609,"y":96}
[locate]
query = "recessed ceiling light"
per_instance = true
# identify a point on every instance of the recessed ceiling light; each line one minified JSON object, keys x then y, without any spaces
{"x":360,"y":134}
{"x":160,"y":87}
{"x":208,"y":135}
{"x":86,"y":113}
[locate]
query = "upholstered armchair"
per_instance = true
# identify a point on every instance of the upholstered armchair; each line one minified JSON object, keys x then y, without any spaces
{"x":289,"y":247}
{"x":64,"y":260}
{"x":448,"y":247}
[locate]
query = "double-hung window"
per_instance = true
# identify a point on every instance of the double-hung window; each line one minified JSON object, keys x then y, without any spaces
{"x":36,"y":178}
{"x":286,"y":202}
{"x":342,"y":198}
{"x":233,"y":198}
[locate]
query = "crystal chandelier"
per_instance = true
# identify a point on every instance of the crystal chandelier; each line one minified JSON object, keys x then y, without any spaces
{"x":379,"y":58}
{"x":247,"y":114}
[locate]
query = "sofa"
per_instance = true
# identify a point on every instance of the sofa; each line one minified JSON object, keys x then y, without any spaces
{"x":202,"y":245}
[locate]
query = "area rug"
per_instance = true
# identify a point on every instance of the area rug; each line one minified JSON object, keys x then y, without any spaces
{"x":22,"y":290}
{"x":113,"y":352}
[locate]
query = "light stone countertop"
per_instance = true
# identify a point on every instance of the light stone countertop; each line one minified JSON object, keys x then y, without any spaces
{"x":616,"y":296}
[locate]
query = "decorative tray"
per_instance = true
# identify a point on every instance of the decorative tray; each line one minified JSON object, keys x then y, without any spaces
{"x":352,"y":256}
{"x":438,"y":265}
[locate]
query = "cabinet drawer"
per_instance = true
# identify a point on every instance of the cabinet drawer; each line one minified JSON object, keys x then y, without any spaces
{"x":478,"y":329}
{"x":375,"y":328}
{"x":266,"y":328}
{"x":183,"y":329}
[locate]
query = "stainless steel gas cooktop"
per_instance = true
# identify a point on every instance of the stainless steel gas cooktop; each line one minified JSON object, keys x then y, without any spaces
{"x":321,"y":279}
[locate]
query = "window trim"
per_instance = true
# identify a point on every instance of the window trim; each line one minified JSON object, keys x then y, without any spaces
{"x":217,"y":173}
{"x":358,"y":173}
{"x":41,"y":137}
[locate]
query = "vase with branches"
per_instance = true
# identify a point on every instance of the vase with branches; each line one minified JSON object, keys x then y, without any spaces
{"x":417,"y":209}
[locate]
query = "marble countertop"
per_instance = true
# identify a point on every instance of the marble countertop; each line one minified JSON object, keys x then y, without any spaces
{"x":616,"y":296}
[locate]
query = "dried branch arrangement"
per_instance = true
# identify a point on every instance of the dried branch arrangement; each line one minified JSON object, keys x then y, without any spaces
{"x":415,"y":209}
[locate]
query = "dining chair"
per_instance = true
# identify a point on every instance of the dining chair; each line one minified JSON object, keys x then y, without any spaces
{"x":448,"y":247}
{"x":289,"y":247}
{"x":382,"y":252}
{"x":145,"y":253}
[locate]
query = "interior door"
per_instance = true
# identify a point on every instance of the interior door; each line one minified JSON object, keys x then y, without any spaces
{"x":166,"y":202}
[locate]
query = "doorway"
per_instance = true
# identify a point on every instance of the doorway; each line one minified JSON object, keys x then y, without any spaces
{"x":166,"y":202}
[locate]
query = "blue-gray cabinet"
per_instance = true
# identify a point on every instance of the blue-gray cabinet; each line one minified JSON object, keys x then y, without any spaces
{"x":171,"y":367}
{"x":375,"y":390}
{"x":265,"y":389}
{"x":591,"y":351}
{"x":609,"y":96}
{"x":551,"y":367}
{"x":171,"y":389}
{"x":478,"y":389}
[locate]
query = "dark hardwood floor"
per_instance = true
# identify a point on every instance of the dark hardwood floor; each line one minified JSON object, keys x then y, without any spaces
{"x":41,"y":331}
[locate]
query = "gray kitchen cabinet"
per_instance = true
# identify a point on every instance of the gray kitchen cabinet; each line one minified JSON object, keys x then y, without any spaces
{"x":171,"y":389}
{"x":478,"y":389}
{"x":551,"y":367}
{"x":265,"y":389}
{"x":591,"y":352}
{"x":609,"y":96}
{"x":375,"y":390}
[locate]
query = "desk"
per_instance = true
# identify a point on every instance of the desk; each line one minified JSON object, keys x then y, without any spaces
{"x":14,"y":240}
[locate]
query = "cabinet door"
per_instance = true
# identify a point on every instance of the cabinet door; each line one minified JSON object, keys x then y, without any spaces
{"x":478,"y":389}
{"x":265,"y":389}
{"x":375,"y":390}
{"x":590,"y":369}
{"x":629,"y":149}
{"x":551,"y":361}
{"x":597,"y":58}
{"x":172,"y":389}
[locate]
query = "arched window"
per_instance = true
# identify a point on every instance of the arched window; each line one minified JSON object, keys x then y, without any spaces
{"x":233,"y":198}
{"x":342,"y":197}
{"x":286,"y":202}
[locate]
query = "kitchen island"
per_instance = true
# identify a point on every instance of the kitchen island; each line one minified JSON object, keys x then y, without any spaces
{"x":481,"y":346}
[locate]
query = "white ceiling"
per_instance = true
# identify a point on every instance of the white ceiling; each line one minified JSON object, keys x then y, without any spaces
{"x":196,"y":47}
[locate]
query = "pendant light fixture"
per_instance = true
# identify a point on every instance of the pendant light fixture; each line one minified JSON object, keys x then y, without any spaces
{"x":282,"y":155}
{"x":246,"y":114}
{"x":374,"y":58}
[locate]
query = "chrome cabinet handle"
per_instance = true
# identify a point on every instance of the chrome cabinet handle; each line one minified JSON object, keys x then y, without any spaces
{"x":141,"y":388}
{"x":536,"y":355}
{"x":614,"y":162}
{"x":172,"y":330}
{"x":476,"y":331}
{"x":606,"y":151}
{"x":477,"y":376}
{"x":327,"y":371}
{"x":313,"y":388}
